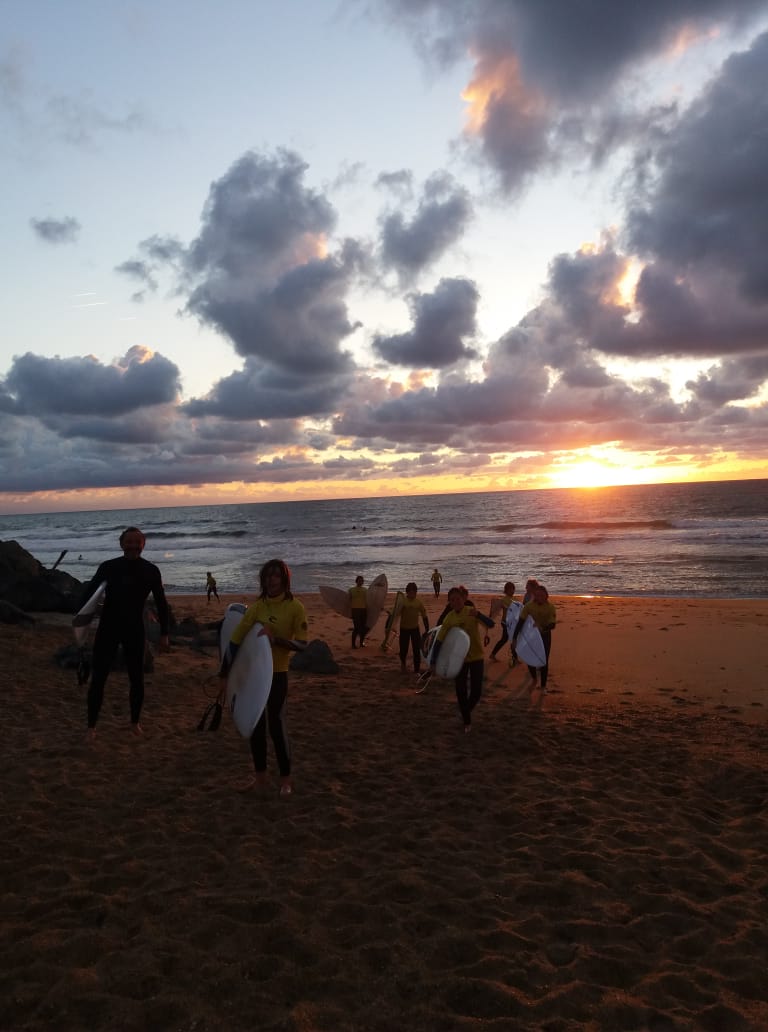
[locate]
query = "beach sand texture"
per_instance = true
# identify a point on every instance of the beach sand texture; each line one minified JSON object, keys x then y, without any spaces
{"x":594,"y":862}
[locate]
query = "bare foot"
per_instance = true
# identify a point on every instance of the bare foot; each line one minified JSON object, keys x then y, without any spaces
{"x":137,"y":729}
{"x":90,"y":736}
{"x":286,"y":788}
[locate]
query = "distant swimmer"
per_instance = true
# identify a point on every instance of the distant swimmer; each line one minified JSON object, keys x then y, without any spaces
{"x":210,"y":585}
{"x":129,"y":580}
{"x":437,"y":580}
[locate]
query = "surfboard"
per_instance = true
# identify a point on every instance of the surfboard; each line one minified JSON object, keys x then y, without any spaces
{"x":394,"y":613}
{"x":87,"y":617}
{"x":250,"y":678}
{"x":338,"y":600}
{"x":452,"y":653}
{"x":428,"y":641}
{"x":530,"y":644}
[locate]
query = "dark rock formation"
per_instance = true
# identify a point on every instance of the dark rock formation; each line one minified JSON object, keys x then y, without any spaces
{"x":27,"y":584}
{"x":316,"y":658}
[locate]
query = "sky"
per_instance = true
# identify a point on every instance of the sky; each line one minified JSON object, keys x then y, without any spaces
{"x":265,"y":250}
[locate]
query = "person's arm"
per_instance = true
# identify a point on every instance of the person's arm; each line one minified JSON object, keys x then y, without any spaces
{"x":98,"y":578}
{"x":163,"y":611}
{"x":486,"y":620}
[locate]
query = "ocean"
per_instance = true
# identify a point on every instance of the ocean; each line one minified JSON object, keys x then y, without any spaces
{"x":687,"y":540}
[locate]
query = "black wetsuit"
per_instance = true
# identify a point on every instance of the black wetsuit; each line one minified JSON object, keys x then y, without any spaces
{"x":129,"y":582}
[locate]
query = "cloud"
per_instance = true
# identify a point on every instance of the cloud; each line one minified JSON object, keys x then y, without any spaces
{"x":442,"y":321}
{"x":41,"y":386}
{"x":443,"y":213}
{"x":56,"y":231}
{"x":263,"y":391}
{"x":261,"y":273}
{"x":706,"y":207}
{"x":549,"y":79}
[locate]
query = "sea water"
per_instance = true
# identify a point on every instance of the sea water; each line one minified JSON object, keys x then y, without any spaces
{"x":697,"y":540}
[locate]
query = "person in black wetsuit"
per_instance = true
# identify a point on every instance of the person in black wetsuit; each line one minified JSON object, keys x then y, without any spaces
{"x":129,"y":580}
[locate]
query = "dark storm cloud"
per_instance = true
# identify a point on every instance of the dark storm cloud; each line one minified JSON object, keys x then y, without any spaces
{"x":443,"y":213}
{"x":85,"y":387}
{"x":442,"y":322}
{"x":56,"y":231}
{"x":708,"y":204}
{"x":546,"y":73}
{"x":260,"y":271}
{"x":260,"y":391}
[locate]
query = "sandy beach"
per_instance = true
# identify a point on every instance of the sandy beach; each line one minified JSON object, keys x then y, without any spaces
{"x":594,"y":860}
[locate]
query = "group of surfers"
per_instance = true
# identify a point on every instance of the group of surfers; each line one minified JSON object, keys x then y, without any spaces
{"x":130,"y":579}
{"x":461,"y":612}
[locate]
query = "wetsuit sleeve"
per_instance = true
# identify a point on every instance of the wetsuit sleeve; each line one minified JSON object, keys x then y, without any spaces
{"x":90,"y":587}
{"x":484,"y":619}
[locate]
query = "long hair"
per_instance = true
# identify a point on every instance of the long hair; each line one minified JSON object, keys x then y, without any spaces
{"x":282,"y":569}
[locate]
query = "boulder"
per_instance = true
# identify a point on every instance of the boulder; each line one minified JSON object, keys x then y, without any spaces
{"x":316,"y":658}
{"x":27,"y":584}
{"x":11,"y":614}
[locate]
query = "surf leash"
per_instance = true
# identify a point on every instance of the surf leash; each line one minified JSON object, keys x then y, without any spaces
{"x":423,"y":680}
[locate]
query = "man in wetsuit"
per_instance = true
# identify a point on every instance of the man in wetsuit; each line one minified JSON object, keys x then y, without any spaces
{"x":129,"y":580}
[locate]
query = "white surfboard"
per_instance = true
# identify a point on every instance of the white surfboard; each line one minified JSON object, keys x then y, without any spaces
{"x":87,"y":617}
{"x":338,"y":600}
{"x":530,"y":644}
{"x":452,"y":653}
{"x":428,"y":641}
{"x":250,"y":678}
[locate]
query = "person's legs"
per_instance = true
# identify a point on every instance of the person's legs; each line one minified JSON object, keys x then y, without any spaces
{"x":501,"y":642}
{"x":475,"y":683}
{"x":104,"y":652}
{"x":404,"y":639}
{"x":415,"y":648}
{"x":276,"y":706}
{"x":461,"y":695}
{"x":133,"y":650}
{"x":546,"y":637}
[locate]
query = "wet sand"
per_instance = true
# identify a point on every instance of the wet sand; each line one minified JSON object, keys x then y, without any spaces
{"x":593,"y":860}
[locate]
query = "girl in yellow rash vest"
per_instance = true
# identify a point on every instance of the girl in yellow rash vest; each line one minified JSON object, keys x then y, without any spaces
{"x":358,"y":603}
{"x":283,"y":618}
{"x":466,"y":617}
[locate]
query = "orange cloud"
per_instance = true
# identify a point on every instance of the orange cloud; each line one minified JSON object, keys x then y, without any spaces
{"x":498,"y":81}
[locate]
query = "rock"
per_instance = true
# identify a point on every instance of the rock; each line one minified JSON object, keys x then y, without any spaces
{"x":28,"y":585}
{"x":316,"y":658}
{"x":11,"y":614}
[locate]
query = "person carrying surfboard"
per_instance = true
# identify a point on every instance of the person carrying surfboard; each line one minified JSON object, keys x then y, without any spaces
{"x":544,"y":615}
{"x":283,"y":621}
{"x":129,"y":580}
{"x":412,"y":609}
{"x":469,"y":680}
{"x":358,"y":601}
{"x":507,"y":598}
